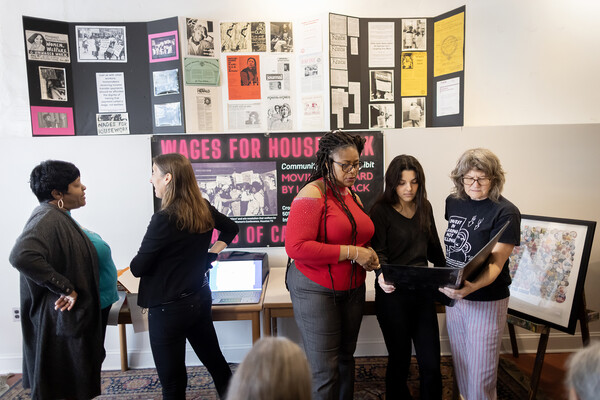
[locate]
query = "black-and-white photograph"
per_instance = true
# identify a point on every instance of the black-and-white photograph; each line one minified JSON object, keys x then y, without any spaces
{"x":101,"y":44}
{"x":163,"y":46}
{"x":52,"y":120}
{"x":282,"y":40}
{"x":239,"y":189}
{"x":166,"y":82}
{"x":413,"y":112}
{"x":53,"y":85}
{"x":381,"y":116}
{"x":168,"y":114}
{"x":382,"y":85}
{"x":279,"y":114}
{"x":44,"y":46}
{"x":200,"y":37}
{"x":413,"y":34}
{"x":236,"y":36}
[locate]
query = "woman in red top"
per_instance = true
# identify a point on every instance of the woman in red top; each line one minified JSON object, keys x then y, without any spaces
{"x":327,"y":236}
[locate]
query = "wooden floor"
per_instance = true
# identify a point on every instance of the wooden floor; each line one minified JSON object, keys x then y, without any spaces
{"x":553,"y":372}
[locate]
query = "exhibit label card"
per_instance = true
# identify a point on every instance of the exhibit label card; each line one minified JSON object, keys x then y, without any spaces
{"x":111,"y":92}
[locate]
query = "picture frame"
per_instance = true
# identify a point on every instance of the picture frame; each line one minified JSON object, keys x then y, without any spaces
{"x":548,"y":270}
{"x":163,"y":46}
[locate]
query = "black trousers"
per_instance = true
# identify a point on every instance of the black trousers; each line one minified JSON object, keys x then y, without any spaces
{"x":169,"y":326}
{"x":405,"y":316}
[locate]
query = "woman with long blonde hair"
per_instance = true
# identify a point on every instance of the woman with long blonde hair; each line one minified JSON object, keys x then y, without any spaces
{"x":172,"y":262}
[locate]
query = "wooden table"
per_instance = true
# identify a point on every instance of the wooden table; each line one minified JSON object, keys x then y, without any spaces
{"x":278,"y":304}
{"x":235,"y":312}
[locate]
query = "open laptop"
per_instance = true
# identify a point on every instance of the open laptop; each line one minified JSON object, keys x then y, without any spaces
{"x":237,"y":277}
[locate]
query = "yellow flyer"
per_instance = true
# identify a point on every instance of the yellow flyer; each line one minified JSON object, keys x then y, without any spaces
{"x":449,"y":39}
{"x":413,"y":76}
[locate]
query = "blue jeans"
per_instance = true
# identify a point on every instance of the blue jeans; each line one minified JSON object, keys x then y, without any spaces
{"x":329,"y":330}
{"x":169,"y":326}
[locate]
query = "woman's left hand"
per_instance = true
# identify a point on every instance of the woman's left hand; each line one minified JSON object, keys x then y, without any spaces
{"x":66,"y":302}
{"x":461,"y":293}
{"x":373,"y":262}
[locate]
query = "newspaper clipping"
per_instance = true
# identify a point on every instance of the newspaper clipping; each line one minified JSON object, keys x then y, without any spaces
{"x":44,"y":46}
{"x":244,"y":116}
{"x":201,"y":109}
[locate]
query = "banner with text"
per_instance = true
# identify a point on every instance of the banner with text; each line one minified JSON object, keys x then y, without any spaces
{"x":254,"y":178}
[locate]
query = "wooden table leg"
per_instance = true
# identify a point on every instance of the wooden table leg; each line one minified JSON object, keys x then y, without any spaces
{"x":267,"y":321}
{"x":255,"y":326}
{"x":123,"y":342}
{"x":539,"y":362}
{"x":513,"y":340}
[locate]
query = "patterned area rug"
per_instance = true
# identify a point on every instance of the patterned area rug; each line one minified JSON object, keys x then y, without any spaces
{"x":370,"y":382}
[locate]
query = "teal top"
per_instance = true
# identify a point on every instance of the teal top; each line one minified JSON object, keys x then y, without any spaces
{"x":107,"y":270}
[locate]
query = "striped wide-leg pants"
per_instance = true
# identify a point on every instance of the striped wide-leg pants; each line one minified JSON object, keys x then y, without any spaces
{"x":475,"y":330}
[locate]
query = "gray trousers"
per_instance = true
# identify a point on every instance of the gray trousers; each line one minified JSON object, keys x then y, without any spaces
{"x":329,"y":331}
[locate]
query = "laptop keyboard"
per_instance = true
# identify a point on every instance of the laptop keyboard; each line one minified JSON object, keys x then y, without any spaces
{"x":232,"y":298}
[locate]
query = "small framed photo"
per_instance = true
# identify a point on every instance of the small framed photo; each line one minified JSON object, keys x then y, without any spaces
{"x":52,"y":121}
{"x":163,"y":46}
{"x":548,"y":270}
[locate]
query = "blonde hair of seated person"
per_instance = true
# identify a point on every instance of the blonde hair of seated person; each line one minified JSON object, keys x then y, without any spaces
{"x":275,"y":369}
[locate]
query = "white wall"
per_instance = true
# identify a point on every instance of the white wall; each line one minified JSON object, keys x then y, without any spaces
{"x":531,"y":95}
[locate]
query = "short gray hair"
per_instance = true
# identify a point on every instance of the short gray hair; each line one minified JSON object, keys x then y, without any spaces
{"x":583,"y":372}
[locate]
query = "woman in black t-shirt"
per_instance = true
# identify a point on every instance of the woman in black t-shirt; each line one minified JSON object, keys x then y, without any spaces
{"x":476,"y":212}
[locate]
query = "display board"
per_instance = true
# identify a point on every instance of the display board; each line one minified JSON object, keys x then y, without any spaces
{"x":388,"y":73}
{"x":254,"y":178}
{"x":103,"y":78}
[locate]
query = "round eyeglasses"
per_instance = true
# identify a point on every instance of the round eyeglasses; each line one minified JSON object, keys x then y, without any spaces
{"x":349,"y":167}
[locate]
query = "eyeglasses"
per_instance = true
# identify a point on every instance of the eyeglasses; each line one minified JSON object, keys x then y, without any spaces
{"x":483,"y":181}
{"x":349,"y":167}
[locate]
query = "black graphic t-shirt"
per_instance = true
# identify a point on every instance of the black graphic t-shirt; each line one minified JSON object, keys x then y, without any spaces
{"x":471,"y":225}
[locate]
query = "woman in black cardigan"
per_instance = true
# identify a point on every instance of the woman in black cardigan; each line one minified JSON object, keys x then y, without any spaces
{"x":172,"y":263}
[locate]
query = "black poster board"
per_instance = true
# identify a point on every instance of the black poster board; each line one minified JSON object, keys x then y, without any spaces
{"x":99,"y":52}
{"x":229,"y":166}
{"x":392,"y":107}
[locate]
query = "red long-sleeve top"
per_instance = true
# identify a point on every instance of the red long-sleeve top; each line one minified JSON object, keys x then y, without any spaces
{"x":305,"y":240}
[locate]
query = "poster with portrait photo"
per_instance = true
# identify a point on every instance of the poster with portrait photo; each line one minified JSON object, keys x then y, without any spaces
{"x":168,"y":114}
{"x":413,"y":112}
{"x":53,"y":85}
{"x":163,"y":46}
{"x":101,"y":43}
{"x":235,"y":37}
{"x":200,"y":37}
{"x":382,"y":116}
{"x":382,"y":85}
{"x":282,"y":39}
{"x":243,"y":77}
{"x":414,"y":34}
{"x":244,"y":117}
{"x":44,"y":46}
{"x":166,"y":82}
